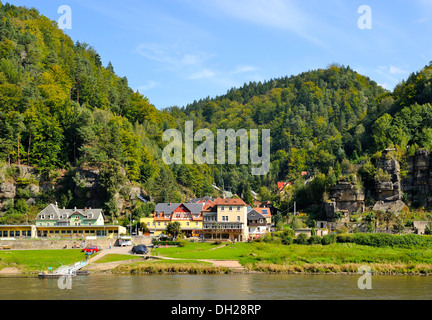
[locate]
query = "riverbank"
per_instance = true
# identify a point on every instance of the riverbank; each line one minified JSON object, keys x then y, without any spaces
{"x":207,"y":258}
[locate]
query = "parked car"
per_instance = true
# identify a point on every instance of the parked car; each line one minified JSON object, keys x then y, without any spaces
{"x":91,"y":249}
{"x":140,"y":249}
{"x":125,"y":241}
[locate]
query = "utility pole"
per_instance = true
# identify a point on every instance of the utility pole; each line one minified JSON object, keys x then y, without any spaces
{"x":295,"y":208}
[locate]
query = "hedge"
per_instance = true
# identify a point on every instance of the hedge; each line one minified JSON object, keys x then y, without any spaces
{"x":386,"y":240}
{"x":328,"y":239}
{"x":169,"y":243}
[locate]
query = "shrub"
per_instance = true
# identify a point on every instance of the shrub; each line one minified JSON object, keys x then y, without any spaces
{"x":287,"y":241}
{"x":328,"y":239}
{"x":289,"y":233}
{"x":345,"y":238}
{"x":167,"y":243}
{"x":392,"y":240}
{"x":315,"y":240}
{"x":302,"y":239}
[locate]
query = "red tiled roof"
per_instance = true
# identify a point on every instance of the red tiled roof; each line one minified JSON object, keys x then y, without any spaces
{"x":263,"y":212}
{"x":229,"y":202}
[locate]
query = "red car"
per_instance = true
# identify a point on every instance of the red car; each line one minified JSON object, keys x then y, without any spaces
{"x":91,"y":249}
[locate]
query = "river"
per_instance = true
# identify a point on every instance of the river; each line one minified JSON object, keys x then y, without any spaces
{"x":218,"y":287}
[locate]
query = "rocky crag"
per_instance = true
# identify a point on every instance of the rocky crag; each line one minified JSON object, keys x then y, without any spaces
{"x":83,"y":187}
{"x":395,"y":189}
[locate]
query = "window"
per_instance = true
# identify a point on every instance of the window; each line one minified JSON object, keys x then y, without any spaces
{"x":222,"y":208}
{"x":11,"y":233}
{"x":230,"y":208}
{"x":224,"y":218}
{"x":238,"y":208}
{"x":17,"y":233}
{"x":187,"y":224}
{"x":238,"y":218}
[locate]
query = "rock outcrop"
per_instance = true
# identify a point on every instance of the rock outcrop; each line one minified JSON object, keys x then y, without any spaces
{"x":347,"y":198}
{"x":418,"y":182}
{"x":389,"y":192}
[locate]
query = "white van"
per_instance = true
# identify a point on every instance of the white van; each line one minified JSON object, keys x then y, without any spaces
{"x":125,"y":241}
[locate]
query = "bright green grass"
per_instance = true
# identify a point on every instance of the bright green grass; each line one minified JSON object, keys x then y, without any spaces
{"x":35,"y":260}
{"x":116,"y":257}
{"x":251,"y":253}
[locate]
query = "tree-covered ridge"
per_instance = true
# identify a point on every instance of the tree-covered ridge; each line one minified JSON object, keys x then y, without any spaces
{"x":316,"y":118}
{"x":60,"y":108}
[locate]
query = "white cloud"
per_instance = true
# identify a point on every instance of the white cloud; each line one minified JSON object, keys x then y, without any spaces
{"x":203,"y":74}
{"x":243,"y":69}
{"x":148,"y":85}
{"x":170,"y":56}
{"x":397,"y":70}
{"x":385,"y":85}
{"x":280,"y":14}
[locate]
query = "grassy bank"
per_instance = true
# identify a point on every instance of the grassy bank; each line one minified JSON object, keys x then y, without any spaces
{"x":32,"y":261}
{"x":334,"y":258}
{"x":170,"y":266}
{"x":254,"y":257}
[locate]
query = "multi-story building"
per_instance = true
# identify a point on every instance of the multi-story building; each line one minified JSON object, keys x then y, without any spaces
{"x":226,"y":219}
{"x":257,"y":224}
{"x":54,"y":222}
{"x":189,"y":215}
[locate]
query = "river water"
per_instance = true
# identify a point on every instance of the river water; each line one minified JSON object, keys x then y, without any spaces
{"x":218,"y":287}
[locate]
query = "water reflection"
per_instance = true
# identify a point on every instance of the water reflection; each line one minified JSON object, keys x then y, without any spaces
{"x":218,"y":287}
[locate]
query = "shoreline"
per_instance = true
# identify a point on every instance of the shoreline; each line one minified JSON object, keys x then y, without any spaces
{"x":122,"y":268}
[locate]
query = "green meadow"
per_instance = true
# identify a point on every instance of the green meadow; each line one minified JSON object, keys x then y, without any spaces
{"x":337,"y":257}
{"x":30,"y":261}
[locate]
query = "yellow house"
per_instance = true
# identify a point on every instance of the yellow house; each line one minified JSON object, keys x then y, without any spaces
{"x":189,"y":215}
{"x":226,"y":219}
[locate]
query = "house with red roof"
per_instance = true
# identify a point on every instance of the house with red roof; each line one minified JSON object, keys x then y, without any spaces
{"x":226,"y":219}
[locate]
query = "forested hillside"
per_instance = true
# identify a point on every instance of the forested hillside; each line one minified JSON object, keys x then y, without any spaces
{"x":64,"y":116}
{"x":61,"y":109}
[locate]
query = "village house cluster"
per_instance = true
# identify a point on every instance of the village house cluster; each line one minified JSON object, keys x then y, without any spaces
{"x":206,"y":218}
{"x":214,"y":219}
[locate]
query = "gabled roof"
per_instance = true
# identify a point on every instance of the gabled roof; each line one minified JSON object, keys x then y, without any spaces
{"x":63,"y":215}
{"x":264,"y":211}
{"x":166,"y":207}
{"x":194,"y":208}
{"x":255,"y":215}
{"x":229,"y":202}
{"x":169,"y":208}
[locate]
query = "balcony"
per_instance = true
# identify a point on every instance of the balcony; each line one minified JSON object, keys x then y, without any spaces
{"x":234,"y":226}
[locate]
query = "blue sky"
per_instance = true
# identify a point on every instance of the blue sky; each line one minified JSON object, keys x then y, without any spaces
{"x":178,"y":51}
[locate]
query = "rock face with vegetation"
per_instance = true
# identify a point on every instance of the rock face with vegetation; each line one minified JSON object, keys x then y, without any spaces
{"x":388,"y":188}
{"x":347,"y":198}
{"x":418,"y":183}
